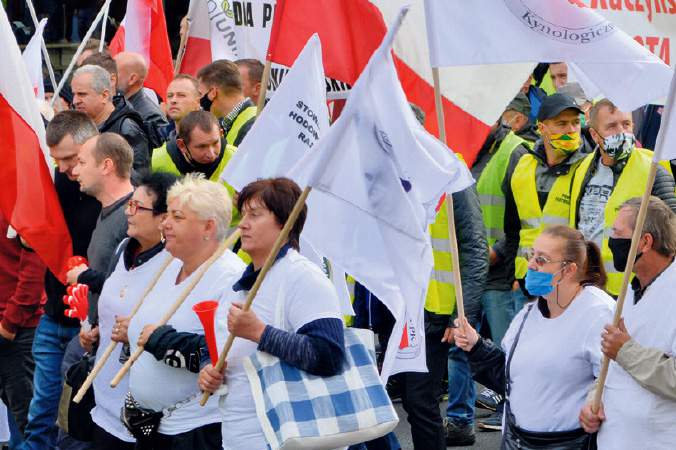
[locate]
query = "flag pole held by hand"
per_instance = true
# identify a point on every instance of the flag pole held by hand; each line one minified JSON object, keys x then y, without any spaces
{"x":111,"y":347}
{"x":452,"y":235}
{"x":281,"y":240}
{"x":177,"y":304}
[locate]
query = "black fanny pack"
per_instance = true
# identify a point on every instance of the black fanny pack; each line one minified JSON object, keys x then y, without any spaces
{"x":518,"y":438}
{"x":142,"y":423}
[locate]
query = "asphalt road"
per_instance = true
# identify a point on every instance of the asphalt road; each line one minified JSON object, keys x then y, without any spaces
{"x":484,"y":440}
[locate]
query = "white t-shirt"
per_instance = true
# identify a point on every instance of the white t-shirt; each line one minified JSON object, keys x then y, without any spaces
{"x":556,"y":361}
{"x":308,"y":295}
{"x":635,"y":417}
{"x":153,"y":383}
{"x":593,"y":204}
{"x":121,"y":291}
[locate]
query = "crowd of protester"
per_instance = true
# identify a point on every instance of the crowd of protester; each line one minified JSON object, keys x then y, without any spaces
{"x":543,"y":239}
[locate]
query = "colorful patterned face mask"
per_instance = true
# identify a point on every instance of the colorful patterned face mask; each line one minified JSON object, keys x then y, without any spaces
{"x":619,"y":146}
{"x":566,"y":143}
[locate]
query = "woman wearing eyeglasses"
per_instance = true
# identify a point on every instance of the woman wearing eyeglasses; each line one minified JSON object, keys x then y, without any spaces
{"x":139,"y":259}
{"x":550,"y":355}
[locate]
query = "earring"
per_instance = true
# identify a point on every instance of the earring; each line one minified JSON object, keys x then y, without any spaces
{"x":206,"y":238}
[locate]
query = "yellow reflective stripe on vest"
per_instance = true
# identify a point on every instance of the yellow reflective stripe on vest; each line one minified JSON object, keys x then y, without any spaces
{"x":440,"y":291}
{"x":489,"y":187}
{"x":631,"y":183}
{"x":533,"y":218}
{"x":243,"y":117}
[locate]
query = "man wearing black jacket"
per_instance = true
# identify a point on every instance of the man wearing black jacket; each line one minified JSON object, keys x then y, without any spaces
{"x":93,"y":94}
{"x":65,"y":135}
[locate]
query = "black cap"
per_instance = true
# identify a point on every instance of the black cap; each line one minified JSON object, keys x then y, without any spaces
{"x":519,"y":104}
{"x":555,"y":104}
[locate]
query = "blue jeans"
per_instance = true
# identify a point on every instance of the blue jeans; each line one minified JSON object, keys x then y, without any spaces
{"x":461,"y":390}
{"x":49,"y":346}
{"x":498,"y":306}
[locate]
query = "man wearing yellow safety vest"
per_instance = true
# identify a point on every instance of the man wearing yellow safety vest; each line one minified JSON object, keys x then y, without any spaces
{"x":537,"y":183}
{"x":615,"y":172}
{"x":220,"y":87}
{"x":513,"y":131}
{"x":198,"y":147}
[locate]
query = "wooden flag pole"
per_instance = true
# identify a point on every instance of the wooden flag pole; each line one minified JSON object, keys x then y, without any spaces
{"x":181,"y":47}
{"x":45,"y":53}
{"x":281,"y":239}
{"x":635,"y":237}
{"x":111,"y":347}
{"x":452,"y":235}
{"x":177,"y":304}
{"x":78,"y":52}
{"x":264,"y":87}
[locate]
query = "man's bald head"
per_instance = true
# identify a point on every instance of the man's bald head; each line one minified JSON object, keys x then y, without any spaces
{"x":132,"y":70}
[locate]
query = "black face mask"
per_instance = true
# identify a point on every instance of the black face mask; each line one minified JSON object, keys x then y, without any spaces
{"x":620,"y":249}
{"x":205,"y":102}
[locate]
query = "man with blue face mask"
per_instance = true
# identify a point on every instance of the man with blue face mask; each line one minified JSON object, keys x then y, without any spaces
{"x":616,"y":171}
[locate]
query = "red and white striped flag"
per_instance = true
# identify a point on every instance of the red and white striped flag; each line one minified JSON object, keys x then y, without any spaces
{"x":27,"y":198}
{"x":144,"y":31}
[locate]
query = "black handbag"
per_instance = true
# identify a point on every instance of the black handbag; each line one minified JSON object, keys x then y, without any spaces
{"x":515,"y":438}
{"x":80,"y":423}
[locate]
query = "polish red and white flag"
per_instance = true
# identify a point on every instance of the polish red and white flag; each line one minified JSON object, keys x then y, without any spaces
{"x":28,"y":199}
{"x":144,"y":31}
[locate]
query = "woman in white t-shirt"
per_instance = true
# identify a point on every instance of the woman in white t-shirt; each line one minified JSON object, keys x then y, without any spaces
{"x":295,"y":315}
{"x":139,"y":259}
{"x":550,"y":355}
{"x":165,"y":381}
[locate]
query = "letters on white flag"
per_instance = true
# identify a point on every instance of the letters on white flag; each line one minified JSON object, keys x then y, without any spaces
{"x":507,"y":31}
{"x":372,"y":180}
{"x":288,"y":127}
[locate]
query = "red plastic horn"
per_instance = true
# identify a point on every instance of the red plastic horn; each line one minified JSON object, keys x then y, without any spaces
{"x":206,"y":311}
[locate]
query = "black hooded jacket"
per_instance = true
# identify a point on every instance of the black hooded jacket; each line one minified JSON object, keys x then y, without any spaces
{"x":128,"y":123}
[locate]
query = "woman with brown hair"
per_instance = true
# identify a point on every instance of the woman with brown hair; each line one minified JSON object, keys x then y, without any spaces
{"x":550,"y":355}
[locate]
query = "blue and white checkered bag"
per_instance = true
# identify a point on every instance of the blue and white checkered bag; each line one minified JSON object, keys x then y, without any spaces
{"x":298,"y":410}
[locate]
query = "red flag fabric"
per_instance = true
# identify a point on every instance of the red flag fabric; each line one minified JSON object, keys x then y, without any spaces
{"x":144,"y":31}
{"x":28,"y":199}
{"x":350,"y":32}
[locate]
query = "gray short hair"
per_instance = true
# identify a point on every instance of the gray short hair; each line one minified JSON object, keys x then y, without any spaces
{"x":101,"y":80}
{"x":70,"y":122}
{"x":660,"y":223}
{"x":207,"y":199}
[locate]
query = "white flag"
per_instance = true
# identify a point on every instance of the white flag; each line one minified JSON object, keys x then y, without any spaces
{"x":464,"y":32}
{"x":665,"y":147}
{"x":32,"y":56}
{"x":288,"y":127}
{"x":372,"y":180}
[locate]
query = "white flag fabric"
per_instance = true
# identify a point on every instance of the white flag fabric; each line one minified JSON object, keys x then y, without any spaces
{"x":288,"y":127}
{"x":665,"y":147}
{"x":372,"y":181}
{"x":32,"y":56}
{"x":507,"y":31}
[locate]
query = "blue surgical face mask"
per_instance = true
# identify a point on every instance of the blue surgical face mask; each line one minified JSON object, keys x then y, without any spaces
{"x":539,"y":283}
